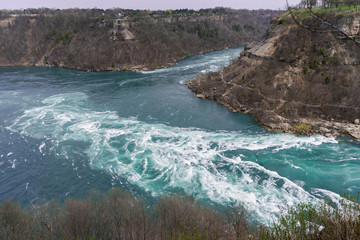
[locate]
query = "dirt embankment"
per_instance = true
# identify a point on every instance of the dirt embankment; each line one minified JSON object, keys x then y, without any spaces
{"x":295,"y":80}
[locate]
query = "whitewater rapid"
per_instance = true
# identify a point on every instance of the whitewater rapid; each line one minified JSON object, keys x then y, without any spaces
{"x":161,"y":159}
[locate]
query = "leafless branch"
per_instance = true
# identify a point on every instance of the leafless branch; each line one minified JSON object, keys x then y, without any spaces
{"x":323,"y":20}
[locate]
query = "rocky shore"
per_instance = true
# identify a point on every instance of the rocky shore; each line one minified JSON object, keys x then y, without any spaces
{"x":294,"y":80}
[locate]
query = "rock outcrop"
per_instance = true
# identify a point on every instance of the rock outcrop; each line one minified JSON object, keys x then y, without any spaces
{"x":295,"y":79}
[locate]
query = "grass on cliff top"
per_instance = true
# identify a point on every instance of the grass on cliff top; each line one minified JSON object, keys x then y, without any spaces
{"x":304,"y":13}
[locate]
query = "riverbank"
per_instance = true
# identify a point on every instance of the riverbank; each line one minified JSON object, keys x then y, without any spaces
{"x":294,"y":80}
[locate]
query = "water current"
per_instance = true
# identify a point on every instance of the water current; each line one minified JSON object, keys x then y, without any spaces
{"x":64,"y":132}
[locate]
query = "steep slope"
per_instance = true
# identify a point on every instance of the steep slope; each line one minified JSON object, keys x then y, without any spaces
{"x":118,"y":39}
{"x":295,"y":80}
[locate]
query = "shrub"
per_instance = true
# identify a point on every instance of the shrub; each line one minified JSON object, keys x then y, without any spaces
{"x":64,"y":38}
{"x":325,"y":60}
{"x":302,"y":128}
{"x":327,"y":80}
{"x":313,"y":64}
{"x":306,"y":70}
{"x":319,"y":221}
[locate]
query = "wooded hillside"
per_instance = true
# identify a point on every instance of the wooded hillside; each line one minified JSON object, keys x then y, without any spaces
{"x":117,"y":39}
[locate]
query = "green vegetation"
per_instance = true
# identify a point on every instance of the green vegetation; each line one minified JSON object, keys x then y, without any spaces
{"x":313,"y":64}
{"x":310,"y":77}
{"x":319,"y":221}
{"x":325,"y":60}
{"x":322,"y":51}
{"x":341,"y":8}
{"x":64,"y":38}
{"x":327,"y":80}
{"x":168,"y":11}
{"x":316,"y":66}
{"x":204,"y":32}
{"x":58,"y":36}
{"x":328,"y":7}
{"x":306,"y":70}
{"x":236,"y":28}
{"x":302,"y":128}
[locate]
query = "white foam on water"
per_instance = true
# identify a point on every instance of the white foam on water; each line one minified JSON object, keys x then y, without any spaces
{"x":13,"y":163}
{"x":296,"y":167}
{"x":160,"y":158}
{"x":351,"y":180}
{"x":209,"y":62}
{"x":162,"y":70}
{"x":41,"y":147}
{"x":334,"y":197}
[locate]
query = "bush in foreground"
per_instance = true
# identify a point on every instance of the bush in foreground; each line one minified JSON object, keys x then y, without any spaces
{"x":118,"y":215}
{"x":319,"y":221}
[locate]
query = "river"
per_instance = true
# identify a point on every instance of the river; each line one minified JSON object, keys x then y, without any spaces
{"x":64,"y":132}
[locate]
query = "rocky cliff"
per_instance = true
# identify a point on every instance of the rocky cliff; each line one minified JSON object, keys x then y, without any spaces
{"x":117,"y":39}
{"x":303,"y":78}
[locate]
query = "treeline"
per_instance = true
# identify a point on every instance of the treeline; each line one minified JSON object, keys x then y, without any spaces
{"x":327,"y":3}
{"x":117,"y":215}
{"x":116,"y":12}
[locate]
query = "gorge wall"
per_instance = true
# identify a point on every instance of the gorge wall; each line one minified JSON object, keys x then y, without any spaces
{"x":302,"y":78}
{"x":118,"y":39}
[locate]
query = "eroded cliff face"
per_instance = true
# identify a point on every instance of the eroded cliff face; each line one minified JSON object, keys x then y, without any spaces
{"x":98,"y":40}
{"x":295,"y":80}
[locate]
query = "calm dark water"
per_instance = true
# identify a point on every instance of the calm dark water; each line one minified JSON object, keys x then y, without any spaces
{"x":64,"y":132}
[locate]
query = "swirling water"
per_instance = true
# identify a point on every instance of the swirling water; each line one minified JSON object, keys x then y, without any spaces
{"x":64,"y":132}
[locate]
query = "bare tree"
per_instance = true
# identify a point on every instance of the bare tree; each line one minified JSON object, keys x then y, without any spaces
{"x":46,"y":220}
{"x":14,"y":222}
{"x":238,"y":217}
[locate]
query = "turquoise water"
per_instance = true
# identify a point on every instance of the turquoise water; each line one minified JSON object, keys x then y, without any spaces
{"x":64,"y":132}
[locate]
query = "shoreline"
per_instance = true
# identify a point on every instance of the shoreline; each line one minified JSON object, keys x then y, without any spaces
{"x":300,"y":126}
